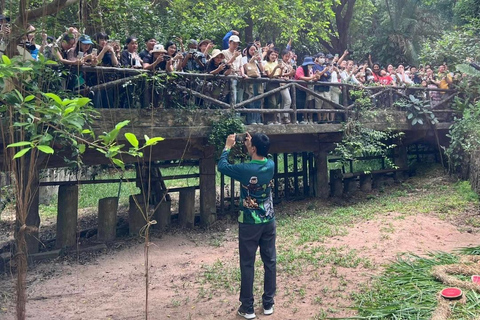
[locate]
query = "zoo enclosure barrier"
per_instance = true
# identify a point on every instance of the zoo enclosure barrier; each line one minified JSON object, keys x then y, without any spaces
{"x":131,"y":88}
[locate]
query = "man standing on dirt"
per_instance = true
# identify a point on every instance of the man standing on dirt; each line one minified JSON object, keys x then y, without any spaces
{"x":256,"y":219}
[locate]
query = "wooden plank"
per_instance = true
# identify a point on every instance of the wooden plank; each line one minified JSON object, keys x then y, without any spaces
{"x":285,"y":179}
{"x":67,"y":216}
{"x":295,"y":170}
{"x":336,"y":182}
{"x":107,"y":219}
{"x":322,"y":189}
{"x":305,"y":173}
{"x":163,"y":215}
{"x":208,"y":208}
{"x":186,"y":208}
{"x":137,"y":214}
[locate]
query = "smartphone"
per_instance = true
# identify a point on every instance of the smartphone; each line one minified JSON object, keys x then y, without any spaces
{"x":80,"y":55}
{"x":94,"y":51}
{"x":240,"y":137}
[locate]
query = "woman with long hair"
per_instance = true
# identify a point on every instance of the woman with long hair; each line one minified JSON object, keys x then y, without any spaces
{"x":305,"y":73}
{"x":251,"y":64}
{"x":273,"y":71}
{"x":287,"y":73}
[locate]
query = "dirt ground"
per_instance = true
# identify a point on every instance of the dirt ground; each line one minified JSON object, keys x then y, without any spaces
{"x":111,"y":285}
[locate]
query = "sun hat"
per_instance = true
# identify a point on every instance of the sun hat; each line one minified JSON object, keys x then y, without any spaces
{"x":215,"y":53}
{"x":307,"y":61}
{"x":234,"y":38}
{"x":85,"y":39}
{"x":158,"y":48}
{"x":206,"y":41}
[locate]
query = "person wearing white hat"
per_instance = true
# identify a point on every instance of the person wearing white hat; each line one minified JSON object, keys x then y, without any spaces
{"x":233,"y":56}
{"x":217,"y":64}
{"x":154,"y":62}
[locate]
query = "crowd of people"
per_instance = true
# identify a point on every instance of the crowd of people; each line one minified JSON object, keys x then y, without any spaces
{"x":253,"y":60}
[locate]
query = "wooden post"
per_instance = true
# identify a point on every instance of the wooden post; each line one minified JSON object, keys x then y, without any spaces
{"x":107,"y":219}
{"x":321,"y":175}
{"x":163,"y":215}
{"x":186,"y":207}
{"x":137,"y":212}
{"x":366,"y":182}
{"x":349,"y":185}
{"x":336,"y":182}
{"x":401,"y":161}
{"x":33,"y":217}
{"x":377,"y":180}
{"x":208,"y":190}
{"x":67,"y":216}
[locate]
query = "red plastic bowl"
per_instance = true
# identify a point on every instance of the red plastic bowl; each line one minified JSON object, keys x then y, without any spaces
{"x":476,"y":279}
{"x":451,"y":293}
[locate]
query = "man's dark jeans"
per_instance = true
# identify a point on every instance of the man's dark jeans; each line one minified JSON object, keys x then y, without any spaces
{"x":250,"y":237}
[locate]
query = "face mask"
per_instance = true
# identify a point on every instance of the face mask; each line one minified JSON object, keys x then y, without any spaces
{"x":321,"y":60}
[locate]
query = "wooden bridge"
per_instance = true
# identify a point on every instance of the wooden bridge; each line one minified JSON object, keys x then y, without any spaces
{"x":182,"y":108}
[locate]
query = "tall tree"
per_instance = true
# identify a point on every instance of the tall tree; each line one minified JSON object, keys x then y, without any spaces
{"x":339,"y":28}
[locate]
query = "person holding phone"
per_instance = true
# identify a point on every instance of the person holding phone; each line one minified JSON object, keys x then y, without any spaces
{"x":256,"y":219}
{"x":252,"y":59}
{"x":130,"y":57}
{"x":107,"y":56}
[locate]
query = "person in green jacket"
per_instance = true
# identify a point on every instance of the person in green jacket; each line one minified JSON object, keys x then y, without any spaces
{"x":256,"y":219}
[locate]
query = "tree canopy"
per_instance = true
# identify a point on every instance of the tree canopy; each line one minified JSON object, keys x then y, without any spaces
{"x":392,"y":31}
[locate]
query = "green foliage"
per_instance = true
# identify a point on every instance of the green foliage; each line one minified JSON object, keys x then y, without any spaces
{"x":466,"y":10}
{"x":46,"y":123}
{"x":395,"y":30}
{"x":408,"y":290}
{"x":227,"y":124}
{"x":418,"y":111}
{"x":464,"y":134}
{"x":453,"y":47}
{"x":464,"y":137}
{"x":359,"y":140}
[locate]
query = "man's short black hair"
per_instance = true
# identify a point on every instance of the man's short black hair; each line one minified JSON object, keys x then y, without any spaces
{"x":262,"y":142}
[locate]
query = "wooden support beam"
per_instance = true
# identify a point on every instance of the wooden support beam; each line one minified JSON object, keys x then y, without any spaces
{"x":321,"y":188}
{"x":208,"y":197}
{"x":107,"y":219}
{"x":163,"y":215}
{"x":336,"y":185}
{"x":349,"y":185}
{"x":401,"y":161}
{"x":366,"y":183}
{"x":186,"y":208}
{"x":137,"y":213}
{"x":67,"y":216}
{"x":33,"y":217}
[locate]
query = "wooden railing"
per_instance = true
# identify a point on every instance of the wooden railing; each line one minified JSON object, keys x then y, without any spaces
{"x":208,"y":91}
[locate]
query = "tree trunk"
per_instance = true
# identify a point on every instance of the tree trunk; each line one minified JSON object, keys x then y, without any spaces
{"x":249,"y":29}
{"x":91,"y":20}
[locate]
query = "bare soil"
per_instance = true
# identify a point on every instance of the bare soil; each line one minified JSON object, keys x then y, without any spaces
{"x":111,"y":284}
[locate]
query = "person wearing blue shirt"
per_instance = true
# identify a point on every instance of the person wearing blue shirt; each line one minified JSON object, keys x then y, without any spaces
{"x":323,"y":71}
{"x":226,"y":38}
{"x":256,"y":219}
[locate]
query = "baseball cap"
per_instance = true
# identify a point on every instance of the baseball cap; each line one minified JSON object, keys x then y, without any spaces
{"x":234,"y":38}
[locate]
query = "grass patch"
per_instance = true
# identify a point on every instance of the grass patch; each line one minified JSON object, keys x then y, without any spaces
{"x":407,"y":290}
{"x":300,"y":250}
